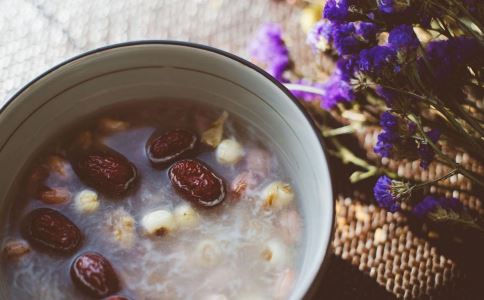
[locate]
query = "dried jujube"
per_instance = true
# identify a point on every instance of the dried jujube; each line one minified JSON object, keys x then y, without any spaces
{"x":196,"y":182}
{"x":50,"y":230}
{"x":105,"y":170}
{"x":93,"y":274}
{"x":169,"y":146}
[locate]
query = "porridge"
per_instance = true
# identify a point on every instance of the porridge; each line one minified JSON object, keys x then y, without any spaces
{"x":154,"y":201}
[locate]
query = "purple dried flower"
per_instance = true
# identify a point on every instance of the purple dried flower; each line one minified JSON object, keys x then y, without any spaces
{"x":425,"y":151}
{"x":387,"y":141}
{"x":337,"y":91}
{"x":403,"y":37}
{"x":393,"y":6}
{"x":367,"y":30}
{"x":320,"y":37}
{"x":396,"y":138}
{"x":350,"y":38}
{"x":389,"y":137}
{"x":451,"y":204}
{"x":448,"y":61}
{"x":378,"y":61}
{"x":347,"y":67}
{"x":388,"y":121}
{"x":387,"y":94}
{"x":337,"y":10}
{"x":268,"y":48}
{"x":345,"y":40}
{"x":426,"y":206}
{"x":431,"y":204}
{"x":385,"y":195}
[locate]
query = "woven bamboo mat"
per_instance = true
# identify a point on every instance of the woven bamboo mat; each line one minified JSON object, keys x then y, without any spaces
{"x":376,"y":255}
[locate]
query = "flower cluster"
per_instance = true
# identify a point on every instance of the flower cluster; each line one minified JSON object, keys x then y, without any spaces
{"x":430,"y":204}
{"x":412,"y":68}
{"x":269,"y":50}
{"x":389,"y":193}
{"x":449,"y":61}
{"x":445,"y":210}
{"x":400,"y":140}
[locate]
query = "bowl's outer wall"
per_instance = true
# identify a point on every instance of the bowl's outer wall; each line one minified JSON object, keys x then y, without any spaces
{"x":174,"y":70}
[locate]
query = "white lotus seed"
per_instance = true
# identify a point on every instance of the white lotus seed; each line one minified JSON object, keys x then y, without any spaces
{"x":158,"y":222}
{"x":229,"y":152}
{"x":275,"y":253}
{"x":277,"y":195}
{"x":122,"y":227}
{"x":186,"y":216}
{"x":207,"y":253}
{"x":86,"y":201}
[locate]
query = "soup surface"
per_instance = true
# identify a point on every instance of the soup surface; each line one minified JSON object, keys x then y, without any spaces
{"x":158,"y":200}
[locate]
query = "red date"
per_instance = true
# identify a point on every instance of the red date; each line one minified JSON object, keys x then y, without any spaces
{"x":170,"y":146}
{"x":196,"y":182}
{"x":92,"y":273}
{"x":48,"y":229}
{"x":105,"y":170}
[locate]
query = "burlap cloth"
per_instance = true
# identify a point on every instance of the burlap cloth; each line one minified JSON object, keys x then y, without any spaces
{"x":377,"y":255}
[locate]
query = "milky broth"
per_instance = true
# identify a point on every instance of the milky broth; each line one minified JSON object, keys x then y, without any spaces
{"x":175,"y":265}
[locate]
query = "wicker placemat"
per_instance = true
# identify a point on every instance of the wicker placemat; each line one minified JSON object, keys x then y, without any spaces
{"x":377,"y":255}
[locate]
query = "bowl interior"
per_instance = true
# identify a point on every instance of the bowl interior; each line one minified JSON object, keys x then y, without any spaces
{"x":175,"y":71}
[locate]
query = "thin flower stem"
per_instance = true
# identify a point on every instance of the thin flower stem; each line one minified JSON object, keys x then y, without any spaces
{"x":421,"y":185}
{"x":440,"y":31}
{"x":447,"y":33}
{"x":455,"y":165}
{"x":470,"y":16}
{"x":470,"y":224}
{"x":458,"y":20}
{"x":347,"y":156}
{"x":402,"y":91}
{"x":475,"y":125}
{"x":456,"y":218}
{"x":359,"y":176}
{"x":459,"y":128}
{"x":440,"y":106}
{"x":451,"y":119}
{"x":348,"y":129}
{"x":473,"y":104}
{"x":304,"y":88}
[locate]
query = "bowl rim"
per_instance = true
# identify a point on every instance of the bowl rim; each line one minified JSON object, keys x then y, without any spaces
{"x":327,"y":255}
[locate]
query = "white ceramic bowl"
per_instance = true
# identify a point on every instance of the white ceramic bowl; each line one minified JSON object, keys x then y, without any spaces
{"x":154,"y":69}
